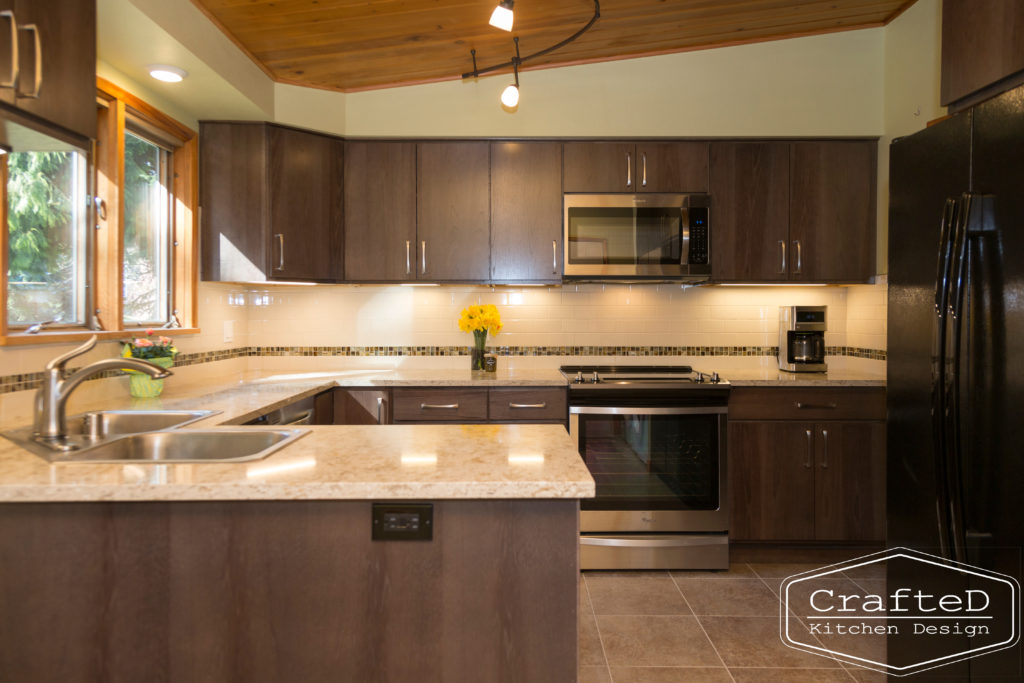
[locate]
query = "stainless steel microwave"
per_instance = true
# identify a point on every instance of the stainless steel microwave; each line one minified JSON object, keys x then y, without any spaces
{"x":637,"y":237}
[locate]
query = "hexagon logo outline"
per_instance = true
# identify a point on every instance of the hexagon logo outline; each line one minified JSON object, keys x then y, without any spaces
{"x":883,"y":556}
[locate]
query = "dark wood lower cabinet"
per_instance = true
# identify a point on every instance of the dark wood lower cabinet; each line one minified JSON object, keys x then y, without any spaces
{"x":807,"y":481}
{"x":286,"y":591}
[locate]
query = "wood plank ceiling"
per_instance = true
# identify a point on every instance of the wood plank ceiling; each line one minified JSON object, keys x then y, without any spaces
{"x":351,"y":45}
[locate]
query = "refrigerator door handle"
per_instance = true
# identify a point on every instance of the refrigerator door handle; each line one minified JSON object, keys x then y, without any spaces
{"x":950,"y":215}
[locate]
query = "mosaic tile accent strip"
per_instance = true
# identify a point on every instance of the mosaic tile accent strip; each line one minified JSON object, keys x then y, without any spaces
{"x":12,"y":383}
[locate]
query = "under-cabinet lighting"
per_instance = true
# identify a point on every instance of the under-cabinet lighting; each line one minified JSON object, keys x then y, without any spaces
{"x":420,"y":284}
{"x":167,"y":73}
{"x":265,"y":470}
{"x":771,"y":284}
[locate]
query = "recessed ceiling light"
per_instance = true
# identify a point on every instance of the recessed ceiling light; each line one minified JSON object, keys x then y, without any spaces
{"x":167,"y":73}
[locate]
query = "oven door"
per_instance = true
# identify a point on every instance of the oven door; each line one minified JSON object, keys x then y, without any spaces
{"x":657,"y":469}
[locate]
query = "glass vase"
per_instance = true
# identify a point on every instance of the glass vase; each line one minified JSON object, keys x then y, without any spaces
{"x":141,"y":385}
{"x":476,"y":352}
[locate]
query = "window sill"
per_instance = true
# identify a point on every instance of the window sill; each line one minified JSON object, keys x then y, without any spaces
{"x":65,"y":336}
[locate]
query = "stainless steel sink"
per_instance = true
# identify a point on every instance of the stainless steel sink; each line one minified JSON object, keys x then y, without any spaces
{"x":104,"y":423}
{"x":223,"y":444}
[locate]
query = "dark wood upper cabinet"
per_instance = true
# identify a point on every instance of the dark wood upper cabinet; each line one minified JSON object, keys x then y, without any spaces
{"x":305,"y":211}
{"x":642,"y":167}
{"x":380,"y":211}
{"x":57,"y":84}
{"x":270,"y":202}
{"x":832,"y":211}
{"x":526,"y":211}
{"x":453,"y":211}
{"x":981,"y":47}
{"x":749,"y":211}
{"x":672,"y":167}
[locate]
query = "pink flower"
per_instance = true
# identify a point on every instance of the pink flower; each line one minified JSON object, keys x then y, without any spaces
{"x":149,"y":333}
{"x":165,"y":340}
{"x":143,"y":342}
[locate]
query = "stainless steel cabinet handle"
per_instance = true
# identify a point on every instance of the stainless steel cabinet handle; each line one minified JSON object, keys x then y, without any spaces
{"x":439,"y":406}
{"x":815,"y":406}
{"x":423,"y":255}
{"x":824,"y":449}
{"x":554,"y":256}
{"x":38,"y":81}
{"x":629,"y":170}
{"x":380,"y":404}
{"x":408,"y":262}
{"x":527,"y":405}
{"x":643,"y":172}
{"x":799,"y":255}
{"x":782,"y":245}
{"x":808,"y":464}
{"x":280,"y":251}
{"x":14,"y":50}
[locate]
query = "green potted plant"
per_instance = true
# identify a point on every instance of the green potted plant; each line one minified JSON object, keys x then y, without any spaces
{"x":156,"y":349}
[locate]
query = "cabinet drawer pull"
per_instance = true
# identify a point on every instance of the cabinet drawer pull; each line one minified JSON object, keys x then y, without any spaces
{"x":815,"y":406}
{"x":423,"y":254}
{"x":782,"y":245}
{"x":280,"y":251}
{"x":439,"y":406}
{"x":408,"y":262}
{"x":14,"y":50}
{"x":629,"y":170}
{"x":554,"y":256}
{"x":643,"y":173}
{"x":528,"y":405}
{"x":824,"y":449}
{"x":808,"y":464}
{"x":380,"y":406}
{"x":38,"y":81}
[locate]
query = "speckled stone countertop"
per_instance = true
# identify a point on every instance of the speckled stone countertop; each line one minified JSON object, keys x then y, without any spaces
{"x":773,"y":377}
{"x":331,"y":462}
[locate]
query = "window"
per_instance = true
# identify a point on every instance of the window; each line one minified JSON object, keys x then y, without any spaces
{"x":100,"y":238}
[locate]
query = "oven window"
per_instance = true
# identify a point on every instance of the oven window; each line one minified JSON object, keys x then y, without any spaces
{"x":625,"y":235}
{"x":651,"y":462}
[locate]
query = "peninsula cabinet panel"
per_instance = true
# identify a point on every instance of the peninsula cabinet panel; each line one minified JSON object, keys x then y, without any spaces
{"x":771,"y":475}
{"x":526,"y":211}
{"x":305,"y":212}
{"x":600,"y":167}
{"x":750,"y":191}
{"x":66,"y":64}
{"x":981,"y":46}
{"x":380,"y":211}
{"x":832,"y":211}
{"x":453,"y":211}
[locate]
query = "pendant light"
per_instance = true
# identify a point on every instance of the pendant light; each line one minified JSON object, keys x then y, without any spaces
{"x":502,"y":15}
{"x":510,"y":95}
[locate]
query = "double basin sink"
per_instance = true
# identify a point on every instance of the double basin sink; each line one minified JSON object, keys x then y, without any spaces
{"x":151,"y":436}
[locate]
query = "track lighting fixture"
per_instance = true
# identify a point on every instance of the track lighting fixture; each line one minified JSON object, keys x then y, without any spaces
{"x":510,"y":96}
{"x":502,"y":15}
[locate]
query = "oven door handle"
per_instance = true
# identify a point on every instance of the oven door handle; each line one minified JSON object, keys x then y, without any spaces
{"x":697,"y":410}
{"x":654,"y":542}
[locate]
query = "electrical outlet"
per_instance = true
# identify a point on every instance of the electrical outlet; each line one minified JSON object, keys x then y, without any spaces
{"x":229,"y":331}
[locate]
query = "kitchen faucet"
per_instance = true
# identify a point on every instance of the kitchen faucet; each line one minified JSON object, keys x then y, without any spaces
{"x":52,"y":398}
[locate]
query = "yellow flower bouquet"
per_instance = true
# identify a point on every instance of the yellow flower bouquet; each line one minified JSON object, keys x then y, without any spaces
{"x":480,"y":320}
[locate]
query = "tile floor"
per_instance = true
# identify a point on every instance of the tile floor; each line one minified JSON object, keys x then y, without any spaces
{"x":668,"y":627}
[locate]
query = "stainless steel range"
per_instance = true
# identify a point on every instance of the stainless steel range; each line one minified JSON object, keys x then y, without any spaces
{"x":653,"y":437}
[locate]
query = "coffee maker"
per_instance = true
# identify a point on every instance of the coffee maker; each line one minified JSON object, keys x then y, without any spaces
{"x":802,"y":338}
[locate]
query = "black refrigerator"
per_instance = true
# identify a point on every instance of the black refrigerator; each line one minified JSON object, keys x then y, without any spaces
{"x":955,"y":475}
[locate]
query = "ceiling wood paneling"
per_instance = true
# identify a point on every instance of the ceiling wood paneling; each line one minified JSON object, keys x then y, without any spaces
{"x":353,"y":45}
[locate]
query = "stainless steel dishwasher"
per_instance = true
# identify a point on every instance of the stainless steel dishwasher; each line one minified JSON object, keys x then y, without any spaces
{"x":298,"y":413}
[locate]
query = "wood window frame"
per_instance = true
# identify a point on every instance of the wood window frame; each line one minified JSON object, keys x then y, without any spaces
{"x":114,"y":106}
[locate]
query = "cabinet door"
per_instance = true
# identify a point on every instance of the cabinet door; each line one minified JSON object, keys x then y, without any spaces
{"x":526,"y":211}
{"x":750,"y":213}
{"x":65,"y":69}
{"x":672,"y":167}
{"x":453,"y":211}
{"x":380,"y":211}
{"x":981,"y":44}
{"x":771,"y":476}
{"x":305,"y":235}
{"x":832,"y":211}
{"x":232,"y":197}
{"x":361,"y":406}
{"x":600,"y":167}
{"x":849,"y":481}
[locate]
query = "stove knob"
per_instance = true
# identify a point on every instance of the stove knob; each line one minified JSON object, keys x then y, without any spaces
{"x":715,"y":379}
{"x":579,"y":378}
{"x":595,"y":379}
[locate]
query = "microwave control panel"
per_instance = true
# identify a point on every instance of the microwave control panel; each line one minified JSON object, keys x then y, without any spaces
{"x":698,"y":236}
